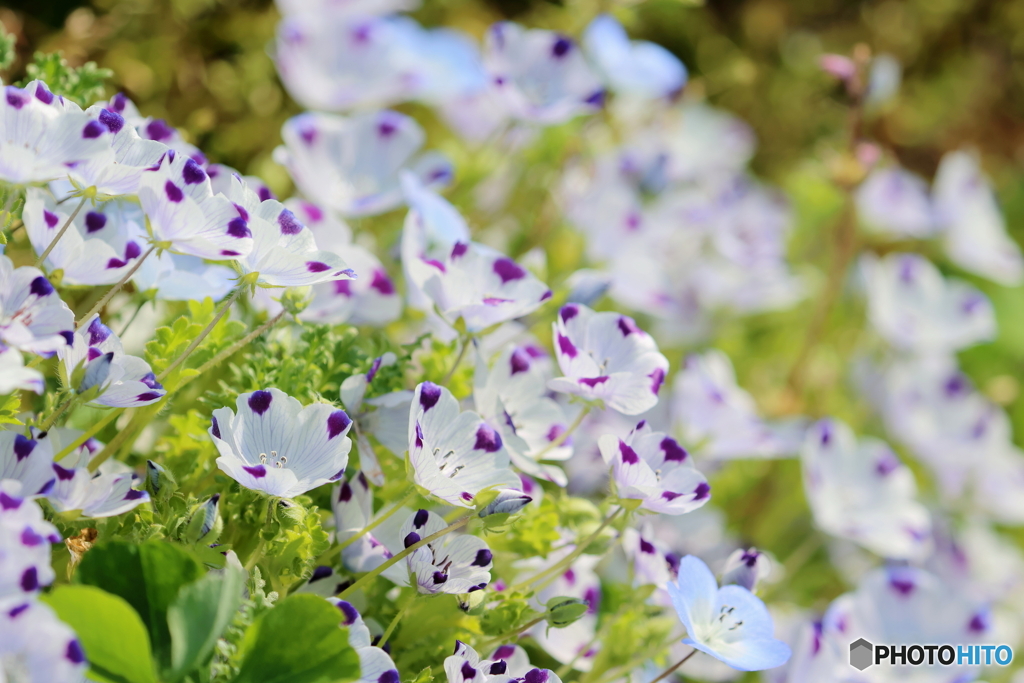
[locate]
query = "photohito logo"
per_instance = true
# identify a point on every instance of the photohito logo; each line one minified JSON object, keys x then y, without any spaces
{"x":864,"y":654}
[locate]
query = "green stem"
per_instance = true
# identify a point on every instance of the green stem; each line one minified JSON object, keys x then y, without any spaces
{"x":114,"y":443}
{"x":372,"y":574}
{"x":45,"y":425}
{"x":552,"y":572}
{"x":60,"y":233}
{"x":134,"y":316}
{"x":224,"y":307}
{"x":561,"y":438}
{"x":394,"y":622}
{"x":115,"y":289}
{"x":669,"y":671}
{"x":455,"y":365}
{"x":486,"y":647}
{"x":230,"y":351}
{"x":376,"y":522}
{"x":88,"y":434}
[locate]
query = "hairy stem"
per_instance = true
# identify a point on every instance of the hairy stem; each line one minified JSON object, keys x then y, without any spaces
{"x":669,"y":671}
{"x":60,"y":233}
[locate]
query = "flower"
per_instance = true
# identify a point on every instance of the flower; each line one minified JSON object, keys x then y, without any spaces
{"x":716,"y":413}
{"x":478,"y":284}
{"x":117,"y":174}
{"x":576,"y":643}
{"x":176,"y":277}
{"x":465,"y":666}
{"x":122,"y":380}
{"x":605,"y":356}
{"x":99,"y":246}
{"x":452,"y":564}
{"x":541,"y":75}
{"x":185,"y":216}
{"x":353,"y":510}
{"x":648,"y":556}
{"x":974,"y":227}
{"x":42,"y":135}
{"x":32,"y":316}
{"x":107,"y":493}
{"x":25,"y":539}
{"x":275,"y":445}
{"x":639,"y":68}
{"x":916,"y":309}
{"x":861,"y":491}
{"x":896,"y":203}
{"x":375,"y":665}
{"x":27,"y":460}
{"x":653,"y":468}
{"x":728,"y":623}
{"x":746,"y":567}
{"x":14,"y":376}
{"x":36,"y":646}
{"x":454,"y":454}
{"x":352,"y":164}
{"x":284,"y":252}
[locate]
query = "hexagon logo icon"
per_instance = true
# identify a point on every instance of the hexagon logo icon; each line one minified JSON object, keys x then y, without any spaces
{"x":861,"y":654}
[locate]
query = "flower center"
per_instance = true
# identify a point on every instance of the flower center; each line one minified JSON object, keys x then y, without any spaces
{"x":442,"y":462}
{"x":274,"y":459}
{"x":723,"y":625}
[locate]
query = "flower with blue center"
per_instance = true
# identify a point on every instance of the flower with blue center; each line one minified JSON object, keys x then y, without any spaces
{"x":32,"y":316}
{"x":607,"y":357}
{"x":275,"y":445}
{"x":42,"y":136}
{"x":352,"y":164}
{"x":729,"y":623}
{"x":652,"y":468}
{"x":36,"y":646}
{"x":454,"y":563}
{"x":25,"y":539}
{"x":109,"y":375}
{"x":633,"y":68}
{"x":185,"y":216}
{"x":454,"y":454}
{"x":375,"y":666}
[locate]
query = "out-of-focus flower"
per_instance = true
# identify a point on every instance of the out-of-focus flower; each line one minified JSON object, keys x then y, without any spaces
{"x":14,"y":376}
{"x":375,"y":666}
{"x":275,"y":445}
{"x":353,"y":510}
{"x":176,"y":277}
{"x":637,"y":68}
{"x":605,"y":356}
{"x":25,"y":539}
{"x":728,"y":623}
{"x":36,"y":646}
{"x":27,"y":460}
{"x":746,"y":567}
{"x":896,"y":203}
{"x":32,"y":316}
{"x":861,"y":491}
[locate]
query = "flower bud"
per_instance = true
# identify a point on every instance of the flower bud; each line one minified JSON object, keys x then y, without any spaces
{"x":563,"y":611}
{"x":159,"y":482}
{"x":205,"y":525}
{"x":745,"y":568}
{"x":296,"y":299}
{"x":507,"y":502}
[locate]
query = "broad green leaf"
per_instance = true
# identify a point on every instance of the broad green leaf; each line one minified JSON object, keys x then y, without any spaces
{"x":298,"y":641}
{"x":199,"y":615}
{"x":148,"y":576}
{"x":111,"y":633}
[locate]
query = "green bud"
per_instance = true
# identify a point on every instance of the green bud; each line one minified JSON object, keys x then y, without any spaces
{"x":205,"y":524}
{"x":563,"y":611}
{"x":159,"y":482}
{"x":296,"y":299}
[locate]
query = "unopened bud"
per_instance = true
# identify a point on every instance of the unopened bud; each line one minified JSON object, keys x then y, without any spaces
{"x":159,"y":482}
{"x":563,"y":611}
{"x":205,"y":525}
{"x":507,"y":502}
{"x":296,"y":299}
{"x":746,"y":568}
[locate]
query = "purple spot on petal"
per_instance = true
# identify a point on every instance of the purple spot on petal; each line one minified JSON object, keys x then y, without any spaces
{"x":466,"y":496}
{"x":62,"y":473}
{"x":498,"y":668}
{"x":30,"y":538}
{"x":566,"y":346}
{"x":94,"y":221}
{"x":420,"y":520}
{"x":902,"y":586}
{"x":702,"y":492}
{"x":569,"y":312}
{"x":23,"y":447}
{"x":41,"y":287}
{"x":561,"y":47}
{"x":50,"y":218}
{"x":977,"y":624}
{"x":350,"y":612}
{"x":257,"y":471}
{"x":520,"y":361}
{"x":343,"y":287}
{"x":159,"y":130}
{"x":504,"y":652}
{"x":536,"y":676}
{"x":74,"y":653}
{"x":345,"y":493}
{"x":672,"y":450}
{"x":259,"y":401}
{"x":467,"y":670}
{"x":15,"y":98}
{"x":430,"y":394}
{"x":483,"y":557}
{"x":44,"y":95}
{"x":289,"y":224}
{"x":239,"y":228}
{"x":112,"y":120}
{"x":439,"y":578}
{"x":337,"y":422}
{"x":216,"y":427}
{"x":382,"y":283}
{"x":173,"y":192}
{"x":508,"y":270}
{"x":389,"y":676}
{"x":14,"y":612}
{"x":30,"y":579}
{"x":670,"y":495}
{"x":98,"y":332}
{"x":412,"y":538}
{"x":8,"y":502}
{"x":459,"y":249}
{"x":627,"y":326}
{"x":629,"y":456}
{"x":657,"y":379}
{"x":132,"y":250}
{"x":593,"y":381}
{"x":487,"y":439}
{"x":316,"y":266}
{"x":92,"y":130}
{"x":134,"y":494}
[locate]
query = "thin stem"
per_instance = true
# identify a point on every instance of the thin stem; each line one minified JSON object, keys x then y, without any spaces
{"x":89,"y":433}
{"x":561,"y":438}
{"x":60,"y":233}
{"x":373,"y":573}
{"x":451,"y":372}
{"x":552,"y":572}
{"x":224,"y":307}
{"x":669,"y":671}
{"x":45,"y":425}
{"x":394,"y":622}
{"x":115,"y":289}
{"x":134,"y":316}
{"x":567,"y":667}
{"x":511,"y":634}
{"x":230,"y":351}
{"x":376,"y":522}
{"x":257,"y":552}
{"x":114,"y":444}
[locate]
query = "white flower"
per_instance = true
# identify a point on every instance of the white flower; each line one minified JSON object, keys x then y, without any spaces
{"x":176,"y":277}
{"x":648,"y":556}
{"x":728,"y":623}
{"x":36,"y":646}
{"x":32,"y":316}
{"x":465,"y":666}
{"x":14,"y":376}
{"x":896,"y":203}
{"x":653,"y":468}
{"x":861,"y":491}
{"x":638,"y":68}
{"x":187,"y":217}
{"x":97,"y":249}
{"x":27,"y":460}
{"x":606,"y":356}
{"x":512,"y":396}
{"x":25,"y":539}
{"x":42,"y":136}
{"x":454,"y":454}
{"x":275,"y":445}
{"x":124,"y":381}
{"x":746,"y":567}
{"x":478,"y":284}
{"x":120,"y":173}
{"x":542,"y":75}
{"x":454,"y":563}
{"x":916,"y":309}
{"x":975,"y":230}
{"x":106,"y":493}
{"x":284,"y":252}
{"x":353,"y":510}
{"x":375,"y":666}
{"x":720,"y":418}
{"x":352,"y":164}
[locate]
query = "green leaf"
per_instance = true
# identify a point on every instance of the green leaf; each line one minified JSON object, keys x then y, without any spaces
{"x":298,"y":641}
{"x":148,"y":576}
{"x":198,"y":617}
{"x":111,"y":633}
